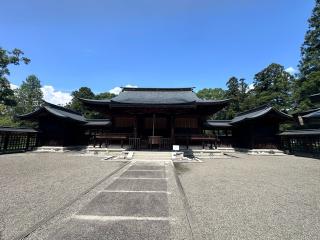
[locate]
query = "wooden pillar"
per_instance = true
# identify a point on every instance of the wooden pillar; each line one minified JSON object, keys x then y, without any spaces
{"x":252,"y":134}
{"x":28,"y":142}
{"x":172,"y":129}
{"x":153,"y":123}
{"x":6,"y":142}
{"x":135,"y":127}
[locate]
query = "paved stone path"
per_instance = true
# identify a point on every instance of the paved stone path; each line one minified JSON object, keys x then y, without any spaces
{"x":142,"y":203}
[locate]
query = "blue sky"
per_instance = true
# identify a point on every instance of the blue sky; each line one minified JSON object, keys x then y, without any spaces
{"x":151,"y":43}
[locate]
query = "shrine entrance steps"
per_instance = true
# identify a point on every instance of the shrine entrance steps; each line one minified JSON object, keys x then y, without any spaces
{"x":152,"y":155}
{"x":144,"y":200}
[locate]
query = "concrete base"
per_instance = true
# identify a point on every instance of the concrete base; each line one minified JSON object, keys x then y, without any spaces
{"x":104,"y":151}
{"x":226,"y":149}
{"x":267,"y":152}
{"x":60,"y":148}
{"x":203,"y":153}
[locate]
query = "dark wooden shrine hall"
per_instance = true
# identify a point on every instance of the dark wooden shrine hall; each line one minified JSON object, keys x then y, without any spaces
{"x":157,"y":118}
{"x":150,"y":112}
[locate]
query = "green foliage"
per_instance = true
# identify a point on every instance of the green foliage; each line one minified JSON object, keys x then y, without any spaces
{"x":14,"y":57}
{"x":236,"y":92}
{"x":7,"y":98}
{"x":233,"y":93}
{"x":104,"y":95}
{"x":243,"y":93}
{"x":309,"y":78}
{"x":211,"y":93}
{"x":29,"y":95}
{"x":6,"y":93}
{"x":273,"y":85}
{"x":85,"y":92}
{"x":8,"y":121}
{"x":76,"y":104}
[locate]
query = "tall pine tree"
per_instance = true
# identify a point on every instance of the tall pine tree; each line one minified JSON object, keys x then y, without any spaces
{"x":233,"y":92}
{"x":309,"y":79}
{"x":29,"y":95}
{"x":273,"y":85}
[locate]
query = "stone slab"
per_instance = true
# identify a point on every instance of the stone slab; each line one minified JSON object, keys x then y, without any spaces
{"x":139,"y":185}
{"x":113,"y":230}
{"x":128,"y":204}
{"x":146,"y":167}
{"x":143,"y":174}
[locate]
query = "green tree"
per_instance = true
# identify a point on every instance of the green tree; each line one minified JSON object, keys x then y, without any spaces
{"x":309,"y":78}
{"x":233,"y":93}
{"x":29,"y":96}
{"x":211,"y":93}
{"x":104,"y":95}
{"x":273,"y":85}
{"x":76,"y":104}
{"x":85,"y":92}
{"x":7,"y":58}
{"x":243,"y":92}
{"x":14,"y":57}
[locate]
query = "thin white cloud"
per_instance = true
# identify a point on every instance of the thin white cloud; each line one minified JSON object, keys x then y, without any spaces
{"x":56,"y":97}
{"x":291,"y":70}
{"x":13,"y":86}
{"x":251,"y":86}
{"x":117,"y":90}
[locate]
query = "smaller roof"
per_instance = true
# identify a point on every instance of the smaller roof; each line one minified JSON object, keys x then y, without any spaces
{"x":218,"y":123}
{"x":259,"y":112}
{"x":314,"y":114}
{"x":97,"y":123}
{"x":18,"y":130}
{"x":304,"y":132}
{"x":315,"y":97}
{"x":58,"y":111}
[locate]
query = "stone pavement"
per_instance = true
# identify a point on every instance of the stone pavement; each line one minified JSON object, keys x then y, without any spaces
{"x":143,"y":202}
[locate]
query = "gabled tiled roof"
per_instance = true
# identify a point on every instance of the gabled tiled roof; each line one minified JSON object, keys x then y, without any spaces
{"x":259,"y":112}
{"x":314,"y":114}
{"x":65,"y":113}
{"x":98,"y":122}
{"x":218,"y":123}
{"x":156,"y":96}
{"x":18,"y":130}
{"x":304,"y":132}
{"x":315,"y":97}
{"x":57,"y":111}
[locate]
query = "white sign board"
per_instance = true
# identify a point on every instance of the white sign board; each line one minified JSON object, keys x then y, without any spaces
{"x":175,"y":147}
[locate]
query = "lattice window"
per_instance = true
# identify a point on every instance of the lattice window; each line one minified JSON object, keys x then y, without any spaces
{"x":122,"y":122}
{"x":159,"y":123}
{"x":186,"y":123}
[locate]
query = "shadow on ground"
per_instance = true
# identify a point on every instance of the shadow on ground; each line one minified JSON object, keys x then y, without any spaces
{"x":181,"y":168}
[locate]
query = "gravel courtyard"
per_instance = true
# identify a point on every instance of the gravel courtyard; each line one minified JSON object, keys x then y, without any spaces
{"x":33,"y":185}
{"x":254,"y":197}
{"x":244,"y":197}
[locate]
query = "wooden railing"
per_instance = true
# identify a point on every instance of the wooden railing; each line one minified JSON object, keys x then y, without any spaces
{"x":17,"y":139}
{"x":309,"y":144}
{"x":134,"y":143}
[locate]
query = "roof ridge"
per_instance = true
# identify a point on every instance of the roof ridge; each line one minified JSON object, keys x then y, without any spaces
{"x":253,"y":110}
{"x":98,"y":119}
{"x":216,"y":120}
{"x":16,"y":127}
{"x":142,"y":89}
{"x":62,"y":108}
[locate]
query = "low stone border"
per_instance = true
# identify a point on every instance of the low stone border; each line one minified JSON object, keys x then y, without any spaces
{"x":267,"y":152}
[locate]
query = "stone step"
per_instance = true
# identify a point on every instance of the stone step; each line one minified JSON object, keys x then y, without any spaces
{"x":144,"y":155}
